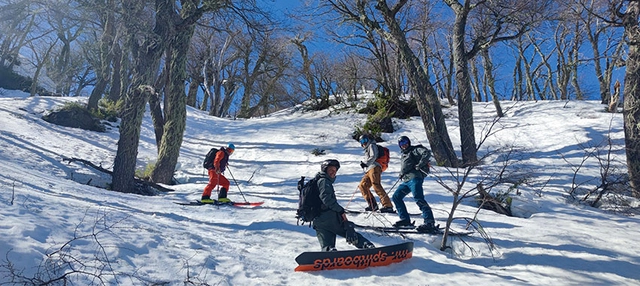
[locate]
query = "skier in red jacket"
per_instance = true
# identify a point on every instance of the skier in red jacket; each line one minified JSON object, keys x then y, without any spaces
{"x":216,"y":176}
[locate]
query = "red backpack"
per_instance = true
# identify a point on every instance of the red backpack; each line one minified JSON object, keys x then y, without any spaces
{"x":383,"y":157}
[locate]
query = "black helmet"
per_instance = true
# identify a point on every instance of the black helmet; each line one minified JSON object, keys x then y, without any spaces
{"x":404,"y":140}
{"x":329,"y":162}
{"x":364,"y":139}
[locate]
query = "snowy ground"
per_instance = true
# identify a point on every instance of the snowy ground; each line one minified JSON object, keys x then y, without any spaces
{"x":49,"y":205}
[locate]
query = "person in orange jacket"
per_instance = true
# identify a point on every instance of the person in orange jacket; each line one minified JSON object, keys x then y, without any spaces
{"x":216,"y":176}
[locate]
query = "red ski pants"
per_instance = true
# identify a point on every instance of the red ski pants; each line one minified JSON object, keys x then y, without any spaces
{"x":214,"y":180}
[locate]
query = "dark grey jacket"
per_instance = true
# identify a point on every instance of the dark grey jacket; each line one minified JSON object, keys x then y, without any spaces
{"x":327,"y":194}
{"x":411,"y":160}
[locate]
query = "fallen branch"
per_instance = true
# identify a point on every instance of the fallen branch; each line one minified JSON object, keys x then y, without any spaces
{"x":490,"y":203}
{"x":138,"y":180}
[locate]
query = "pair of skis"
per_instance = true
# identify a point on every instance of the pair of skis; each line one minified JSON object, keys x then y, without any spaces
{"x":219,"y":203}
{"x":413,"y":229}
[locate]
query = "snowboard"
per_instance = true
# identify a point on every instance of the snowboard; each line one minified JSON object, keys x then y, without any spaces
{"x":354,"y":259}
{"x":412,"y":229}
{"x":217,"y":203}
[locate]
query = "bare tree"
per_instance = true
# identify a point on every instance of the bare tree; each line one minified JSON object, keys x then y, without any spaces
{"x":299,"y":42}
{"x":180,"y":29}
{"x":223,"y":73}
{"x":363,"y":14}
{"x":566,"y":40}
{"x":474,"y":181}
{"x":549,"y":88}
{"x":384,"y":62}
{"x":324,"y":75}
{"x":629,"y":14}
{"x":606,"y":45}
{"x":262,"y":57}
{"x":490,"y":80}
{"x":41,"y":50}
{"x":106,"y":13}
{"x":69,"y":27}
{"x":146,"y":46}
{"x":18,"y":19}
{"x":611,"y":182}
{"x":495,"y":21}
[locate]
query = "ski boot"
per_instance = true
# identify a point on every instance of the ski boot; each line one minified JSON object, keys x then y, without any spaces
{"x":430,"y":228}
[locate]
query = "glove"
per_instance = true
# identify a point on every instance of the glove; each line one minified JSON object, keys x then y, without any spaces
{"x":363,"y":165}
{"x":418,"y":167}
{"x":301,"y":183}
{"x":351,"y":235}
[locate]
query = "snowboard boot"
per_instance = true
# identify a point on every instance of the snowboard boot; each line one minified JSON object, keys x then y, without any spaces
{"x":371,"y":208}
{"x":368,"y":245}
{"x":429,"y":228}
{"x":222,"y":196}
{"x":403,"y":223}
{"x":206,"y":200}
{"x":387,"y":210}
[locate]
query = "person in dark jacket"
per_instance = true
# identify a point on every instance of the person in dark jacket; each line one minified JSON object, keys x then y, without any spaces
{"x":332,"y":220}
{"x":413,"y":163}
{"x":216,"y":176}
{"x":371,"y":178}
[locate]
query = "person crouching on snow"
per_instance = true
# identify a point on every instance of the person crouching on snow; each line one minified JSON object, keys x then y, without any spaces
{"x":332,"y":220}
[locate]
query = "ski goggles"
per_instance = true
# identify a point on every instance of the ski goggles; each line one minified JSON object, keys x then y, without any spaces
{"x":403,"y":143}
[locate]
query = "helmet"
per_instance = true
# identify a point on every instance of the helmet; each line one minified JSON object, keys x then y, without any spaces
{"x":364,"y":139}
{"x":231,"y":148}
{"x":329,"y":162}
{"x":403,"y":140}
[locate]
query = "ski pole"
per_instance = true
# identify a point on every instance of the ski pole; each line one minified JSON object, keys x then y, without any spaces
{"x":354,"y":194}
{"x":236,"y":182}
{"x":394,"y":185}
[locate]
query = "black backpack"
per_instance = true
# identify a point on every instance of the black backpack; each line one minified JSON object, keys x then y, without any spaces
{"x":425,"y":169}
{"x":208,"y":160}
{"x":309,"y":205}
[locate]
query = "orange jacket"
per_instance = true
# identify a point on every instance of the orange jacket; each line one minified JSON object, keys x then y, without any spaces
{"x":221,"y":161}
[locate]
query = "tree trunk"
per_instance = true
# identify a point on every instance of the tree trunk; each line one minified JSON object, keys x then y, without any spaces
{"x":615,"y":98}
{"x":146,"y":59}
{"x":157,"y":118}
{"x":631,"y":112}
{"x":192,"y":93}
{"x":491,"y":81}
{"x":423,"y":91}
{"x":594,"y":38}
{"x":103,"y":71}
{"x":125,"y":162}
{"x":306,"y":67}
{"x":475,"y":81}
{"x":463,"y":81}
{"x":115,"y":92}
{"x":175,"y":109}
